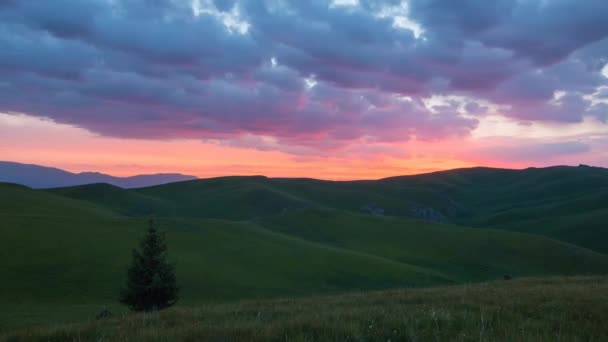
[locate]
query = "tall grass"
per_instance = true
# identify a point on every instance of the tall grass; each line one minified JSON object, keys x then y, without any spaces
{"x":552,"y":309}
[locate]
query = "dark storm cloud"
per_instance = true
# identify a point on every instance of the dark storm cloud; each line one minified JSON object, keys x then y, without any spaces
{"x":300,"y":71}
{"x":544,"y":31}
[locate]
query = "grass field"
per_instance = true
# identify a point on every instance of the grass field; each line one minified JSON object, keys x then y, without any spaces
{"x":77,"y":257}
{"x":551,"y":309}
{"x":64,"y":252}
{"x":566,"y":203}
{"x":463,"y":254}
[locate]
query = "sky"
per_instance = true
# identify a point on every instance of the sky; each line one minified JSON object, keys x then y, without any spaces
{"x":288,"y":88}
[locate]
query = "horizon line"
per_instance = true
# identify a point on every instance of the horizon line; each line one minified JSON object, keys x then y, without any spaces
{"x":302,"y":177}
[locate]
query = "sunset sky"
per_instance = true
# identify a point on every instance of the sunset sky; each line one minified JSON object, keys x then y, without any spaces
{"x":327,"y":89}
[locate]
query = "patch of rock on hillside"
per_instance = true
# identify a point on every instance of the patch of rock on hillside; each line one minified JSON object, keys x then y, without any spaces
{"x":429,"y":214}
{"x":372,"y":209}
{"x":296,"y":207}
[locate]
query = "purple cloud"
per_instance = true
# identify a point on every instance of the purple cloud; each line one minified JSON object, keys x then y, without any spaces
{"x":307,"y":73}
{"x":536,"y":152}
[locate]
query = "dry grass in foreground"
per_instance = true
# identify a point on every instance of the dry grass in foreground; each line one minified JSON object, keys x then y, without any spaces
{"x":539,"y":309}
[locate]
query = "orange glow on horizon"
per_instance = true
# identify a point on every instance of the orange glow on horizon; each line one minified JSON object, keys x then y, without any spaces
{"x":77,"y":150}
{"x":31,"y":140}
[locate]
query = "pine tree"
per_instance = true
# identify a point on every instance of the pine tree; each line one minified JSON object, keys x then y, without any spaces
{"x":151,"y":281}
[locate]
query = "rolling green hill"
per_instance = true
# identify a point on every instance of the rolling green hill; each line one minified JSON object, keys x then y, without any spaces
{"x":566,"y":203}
{"x":64,"y":251}
{"x":21,"y":201}
{"x":67,"y":254}
{"x":465,"y":254}
{"x":129,"y":203}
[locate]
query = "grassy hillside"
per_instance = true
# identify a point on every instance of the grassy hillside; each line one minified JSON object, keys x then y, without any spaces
{"x":587,"y":228}
{"x":239,"y":198}
{"x":555,"y":309}
{"x":62,"y":258}
{"x":462,"y":253}
{"x":21,"y":201}
{"x":111,"y":197}
{"x":567,"y":203}
{"x":66,"y":255}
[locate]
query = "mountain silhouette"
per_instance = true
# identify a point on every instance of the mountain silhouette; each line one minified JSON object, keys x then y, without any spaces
{"x":36,"y":176}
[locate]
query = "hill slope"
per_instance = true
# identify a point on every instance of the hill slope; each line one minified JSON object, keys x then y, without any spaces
{"x":70,"y":254}
{"x":66,"y":254}
{"x":566,"y":203}
{"x":553,"y":309}
{"x":464,"y":254}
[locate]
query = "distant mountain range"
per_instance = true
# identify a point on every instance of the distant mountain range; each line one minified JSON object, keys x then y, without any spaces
{"x":39,"y":177}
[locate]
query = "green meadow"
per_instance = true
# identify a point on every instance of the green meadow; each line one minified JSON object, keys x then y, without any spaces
{"x":535,"y":309}
{"x":302,"y":259}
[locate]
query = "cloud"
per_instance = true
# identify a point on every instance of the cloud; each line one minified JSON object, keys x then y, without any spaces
{"x":305,"y":73}
{"x":535,"y":152}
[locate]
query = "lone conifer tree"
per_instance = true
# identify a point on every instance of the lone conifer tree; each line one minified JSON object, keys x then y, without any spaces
{"x":151,"y":282}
